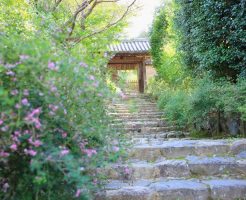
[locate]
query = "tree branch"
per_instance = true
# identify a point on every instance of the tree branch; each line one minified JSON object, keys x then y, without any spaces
{"x":77,"y":40}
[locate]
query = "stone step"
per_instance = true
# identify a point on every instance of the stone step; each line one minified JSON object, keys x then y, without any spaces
{"x":191,"y":189}
{"x":147,"y":114}
{"x":138,"y":117}
{"x":154,"y":135}
{"x":180,"y":148}
{"x":125,"y":105}
{"x":188,"y":167}
{"x":136,"y":110}
{"x":145,"y":129}
{"x":137,"y":120}
{"x":139,"y":124}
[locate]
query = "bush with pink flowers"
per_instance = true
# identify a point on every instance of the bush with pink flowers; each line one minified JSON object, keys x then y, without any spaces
{"x":54,"y":130}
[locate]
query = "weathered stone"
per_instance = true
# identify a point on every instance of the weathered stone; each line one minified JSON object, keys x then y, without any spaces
{"x":130,"y":193}
{"x":180,"y":189}
{"x":212,"y":165}
{"x":172,"y":135}
{"x":242,"y":155}
{"x":173,"y":168}
{"x":238,"y":146}
{"x":227,"y":189}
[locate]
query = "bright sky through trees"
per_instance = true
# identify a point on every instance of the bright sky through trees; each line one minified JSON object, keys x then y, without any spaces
{"x":143,"y":17}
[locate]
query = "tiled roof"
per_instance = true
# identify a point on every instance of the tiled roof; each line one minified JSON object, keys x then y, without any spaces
{"x":131,"y":46}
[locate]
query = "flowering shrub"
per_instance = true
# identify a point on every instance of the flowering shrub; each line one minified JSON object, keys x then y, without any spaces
{"x":54,"y":130}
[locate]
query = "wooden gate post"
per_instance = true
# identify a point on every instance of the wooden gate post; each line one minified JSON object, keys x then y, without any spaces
{"x":141,"y":77}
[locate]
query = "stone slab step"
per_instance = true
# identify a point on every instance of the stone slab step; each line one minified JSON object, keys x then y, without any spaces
{"x":180,"y":148}
{"x":186,"y":167}
{"x":139,"y":124}
{"x":135,"y":113}
{"x":139,"y":118}
{"x":145,"y":129}
{"x":136,"y":120}
{"x":193,"y":189}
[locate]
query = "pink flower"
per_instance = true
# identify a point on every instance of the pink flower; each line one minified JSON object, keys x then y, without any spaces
{"x":95,"y":181}
{"x":30,"y":152}
{"x":13,"y":147}
{"x":10,"y":73}
{"x":64,"y":134}
{"x":64,"y":152}
{"x":14,"y":92}
{"x":5,"y":187}
{"x":127,"y":171}
{"x":82,"y":64}
{"x":52,"y":66}
{"x":33,"y":118}
{"x":95,"y":84}
{"x":90,"y":152}
{"x":78,"y":192}
{"x":53,"y":88}
{"x":17,"y":133}
{"x":17,"y":106}
{"x":91,"y":77}
{"x":26,"y":92}
{"x":24,"y":57}
{"x":25,"y":102}
{"x":4,"y":154}
{"x":116,"y":149}
{"x":5,"y":128}
{"x":1,"y":122}
{"x":37,"y":143}
{"x":54,"y":108}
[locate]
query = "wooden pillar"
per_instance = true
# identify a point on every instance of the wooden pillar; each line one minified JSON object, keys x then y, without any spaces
{"x":141,"y":77}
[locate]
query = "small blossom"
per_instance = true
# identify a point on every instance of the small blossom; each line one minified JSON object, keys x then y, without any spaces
{"x":30,"y":152}
{"x":52,"y":66}
{"x":14,"y":92}
{"x":13,"y":147}
{"x":5,"y":187}
{"x":17,"y":106}
{"x":25,"y":102}
{"x":64,"y":134}
{"x":17,"y":133}
{"x":82,"y":64}
{"x":35,"y":143}
{"x":90,"y":152}
{"x":4,"y":154}
{"x":64,"y":152}
{"x":53,"y":88}
{"x":1,"y":122}
{"x":116,"y":149}
{"x":127,"y":171}
{"x":26,"y":92}
{"x":10,"y":73}
{"x":24,"y":57}
{"x":78,"y":192}
{"x":95,"y":181}
{"x":95,"y":84}
{"x":91,"y":77}
{"x":5,"y":128}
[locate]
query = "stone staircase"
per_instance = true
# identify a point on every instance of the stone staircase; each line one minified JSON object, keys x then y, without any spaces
{"x":166,"y":164}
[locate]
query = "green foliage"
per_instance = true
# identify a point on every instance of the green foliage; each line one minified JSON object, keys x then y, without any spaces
{"x":200,"y":63}
{"x":157,"y":37}
{"x":54,"y":132}
{"x":213,"y":36}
